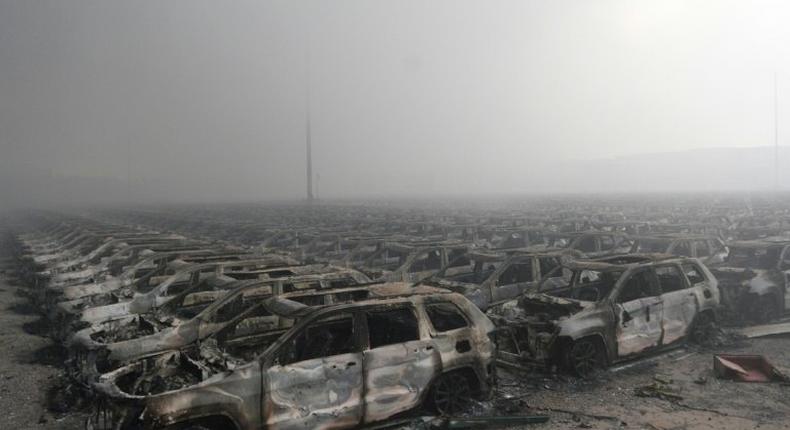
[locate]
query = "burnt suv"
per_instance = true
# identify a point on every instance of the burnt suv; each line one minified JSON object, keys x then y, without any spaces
{"x":339,"y":366}
{"x":754,"y":279}
{"x":608,"y":310}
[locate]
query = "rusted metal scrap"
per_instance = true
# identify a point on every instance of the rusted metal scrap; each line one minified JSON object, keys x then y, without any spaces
{"x":660,"y":390}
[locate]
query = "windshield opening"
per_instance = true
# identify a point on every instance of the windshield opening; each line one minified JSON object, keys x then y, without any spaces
{"x":584,"y":284}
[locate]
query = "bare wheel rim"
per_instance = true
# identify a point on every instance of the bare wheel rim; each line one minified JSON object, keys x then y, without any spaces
{"x":585,"y":358}
{"x":452,"y":394}
{"x":701,"y":329}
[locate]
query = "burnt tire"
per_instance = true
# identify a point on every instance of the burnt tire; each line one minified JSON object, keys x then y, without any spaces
{"x":452,"y":394}
{"x":703,"y":328}
{"x":585,"y":357}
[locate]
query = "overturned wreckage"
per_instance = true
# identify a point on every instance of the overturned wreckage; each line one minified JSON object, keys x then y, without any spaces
{"x":606,"y":310}
{"x":339,"y":366}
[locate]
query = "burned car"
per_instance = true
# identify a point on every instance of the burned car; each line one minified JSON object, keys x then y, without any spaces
{"x":102,"y":263}
{"x":591,"y":243}
{"x":607,"y":310}
{"x":196,"y":278}
{"x":86,"y":265}
{"x":192,"y":317}
{"x":512,"y":237}
{"x":84,"y":246}
{"x":146,"y":272}
{"x":709,"y":249}
{"x":495,"y":277}
{"x":396,"y":262}
{"x":138,"y":289}
{"x":754,"y":279}
{"x":339,"y":366}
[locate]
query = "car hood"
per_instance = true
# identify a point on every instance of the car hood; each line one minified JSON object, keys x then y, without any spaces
{"x":551,"y":307}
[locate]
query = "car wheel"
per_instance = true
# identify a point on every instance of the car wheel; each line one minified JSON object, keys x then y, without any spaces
{"x":585,"y":357}
{"x":702,"y":329}
{"x":452,"y":394}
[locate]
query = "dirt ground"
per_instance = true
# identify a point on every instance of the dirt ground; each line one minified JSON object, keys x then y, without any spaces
{"x":30,"y":371}
{"x":702,"y":402}
{"x":29,"y":365}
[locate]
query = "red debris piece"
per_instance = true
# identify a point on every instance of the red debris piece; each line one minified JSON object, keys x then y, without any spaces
{"x":746,"y":368}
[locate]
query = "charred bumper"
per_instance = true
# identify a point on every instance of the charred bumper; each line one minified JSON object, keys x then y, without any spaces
{"x":113,"y":414}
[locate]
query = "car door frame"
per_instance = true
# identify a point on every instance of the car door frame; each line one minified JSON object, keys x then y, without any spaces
{"x":269,"y":365}
{"x":639,"y":311}
{"x":422,"y":361}
{"x":678,"y":305}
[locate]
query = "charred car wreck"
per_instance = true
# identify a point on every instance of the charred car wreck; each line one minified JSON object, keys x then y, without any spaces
{"x":214,"y":318}
{"x":754,"y":279}
{"x":103,"y":346}
{"x":339,"y":366}
{"x":607,"y":310}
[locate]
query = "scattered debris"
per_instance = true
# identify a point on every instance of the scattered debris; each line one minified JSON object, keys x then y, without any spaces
{"x":702,"y":380}
{"x":585,"y":414}
{"x":661,"y":389}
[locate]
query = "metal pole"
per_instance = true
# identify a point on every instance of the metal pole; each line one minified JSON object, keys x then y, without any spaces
{"x":308,"y":133}
{"x":309,"y":155}
{"x":776,"y":134}
{"x":128,"y":170}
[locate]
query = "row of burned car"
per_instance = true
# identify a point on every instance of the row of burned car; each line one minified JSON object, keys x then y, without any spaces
{"x":166,"y":331}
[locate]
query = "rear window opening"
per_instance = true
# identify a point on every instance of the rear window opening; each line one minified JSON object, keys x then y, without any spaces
{"x":651,"y":246}
{"x":445,"y":317}
{"x":391,"y":327}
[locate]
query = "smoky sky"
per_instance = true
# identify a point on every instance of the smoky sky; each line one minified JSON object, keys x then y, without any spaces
{"x":207,"y":99}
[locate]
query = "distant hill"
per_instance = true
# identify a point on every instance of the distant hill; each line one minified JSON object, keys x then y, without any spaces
{"x":716,"y":169}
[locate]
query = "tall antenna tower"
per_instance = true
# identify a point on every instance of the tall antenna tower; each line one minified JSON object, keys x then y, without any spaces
{"x":776,"y":134}
{"x":128,"y":170}
{"x":309,"y":154}
{"x":308,"y":134}
{"x":308,"y":131}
